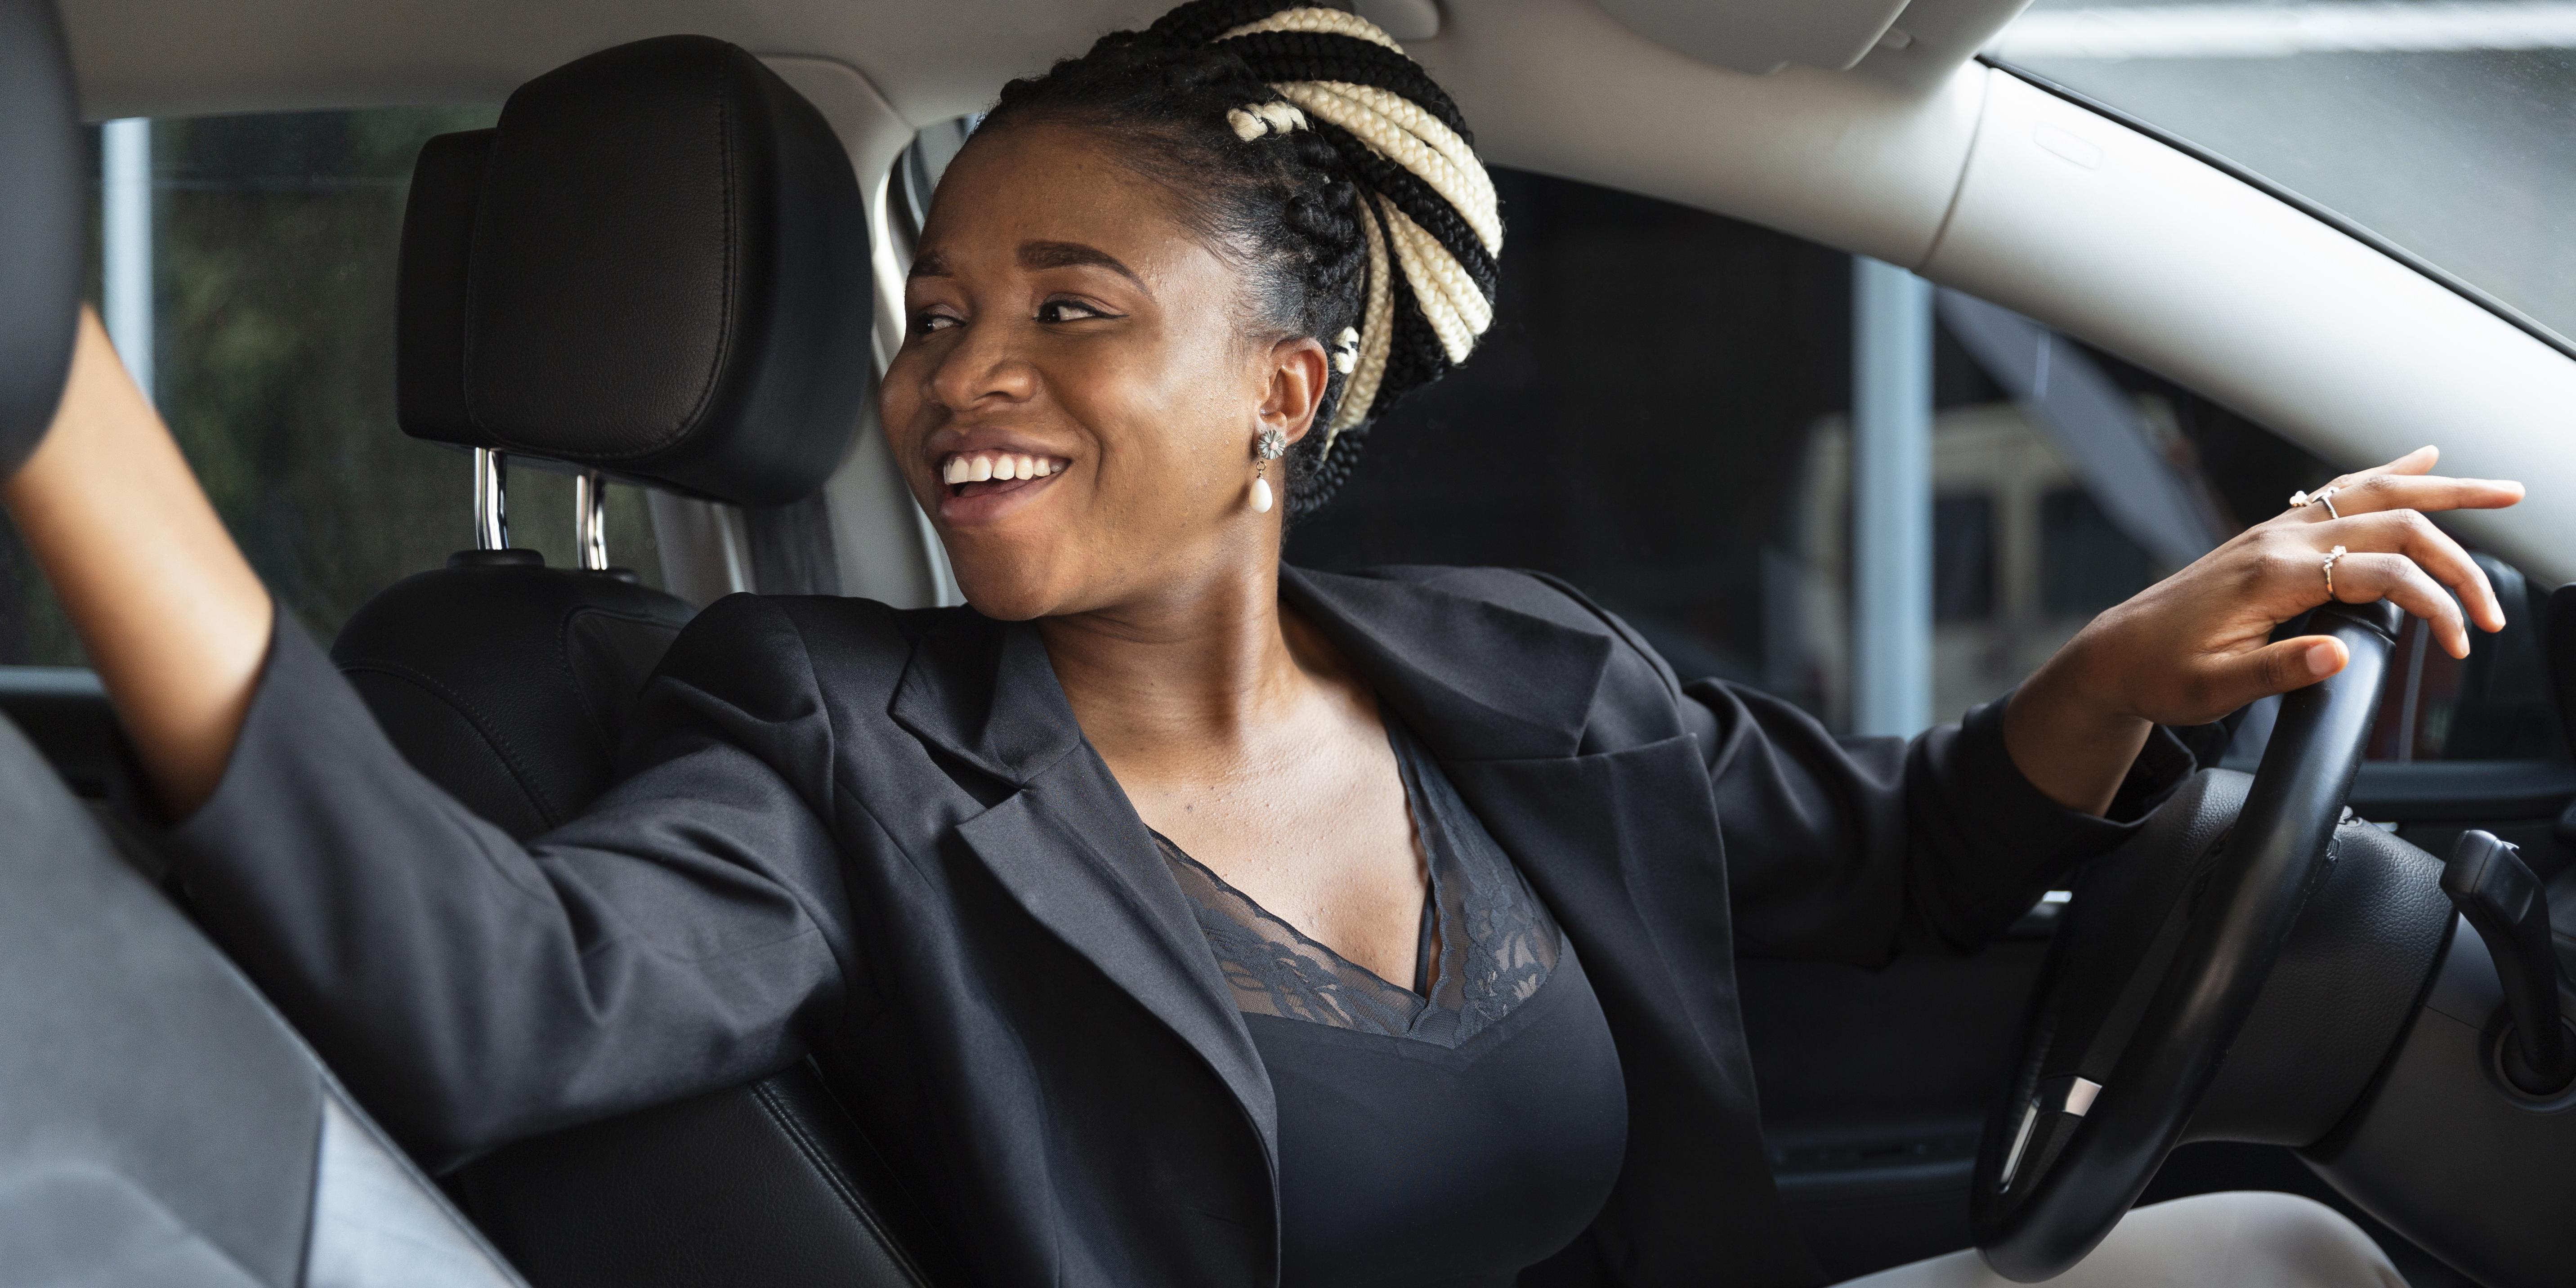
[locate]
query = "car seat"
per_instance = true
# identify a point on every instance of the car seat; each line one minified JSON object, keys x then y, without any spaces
{"x":652,"y":268}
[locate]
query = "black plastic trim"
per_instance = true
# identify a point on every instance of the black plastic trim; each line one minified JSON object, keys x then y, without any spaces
{"x":2334,"y":219}
{"x":64,"y":711}
{"x":2472,"y":791}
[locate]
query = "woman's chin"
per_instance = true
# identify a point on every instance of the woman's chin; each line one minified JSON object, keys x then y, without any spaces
{"x":1005,"y":586}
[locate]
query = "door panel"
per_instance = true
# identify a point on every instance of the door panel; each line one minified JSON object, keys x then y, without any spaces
{"x":1875,"y":1084}
{"x":164,"y":1124}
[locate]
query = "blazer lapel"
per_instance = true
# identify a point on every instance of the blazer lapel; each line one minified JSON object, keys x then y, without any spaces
{"x":1623,"y":844}
{"x":1066,"y":842}
{"x":1474,"y":680}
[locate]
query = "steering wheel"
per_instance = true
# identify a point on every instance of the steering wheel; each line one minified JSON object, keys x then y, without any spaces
{"x":2154,"y":968}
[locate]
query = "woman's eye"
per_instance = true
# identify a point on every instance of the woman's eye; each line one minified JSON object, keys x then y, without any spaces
{"x":1068,"y":311}
{"x":925,"y":323}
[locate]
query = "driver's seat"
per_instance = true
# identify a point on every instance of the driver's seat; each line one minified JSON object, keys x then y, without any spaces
{"x":653,"y":267}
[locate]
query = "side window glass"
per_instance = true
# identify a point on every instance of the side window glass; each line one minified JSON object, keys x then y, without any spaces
{"x":1660,"y":416}
{"x":249,"y":262}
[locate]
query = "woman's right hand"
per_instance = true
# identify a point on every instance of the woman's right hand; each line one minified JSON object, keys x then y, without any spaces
{"x":171,"y":615}
{"x":2198,"y":644}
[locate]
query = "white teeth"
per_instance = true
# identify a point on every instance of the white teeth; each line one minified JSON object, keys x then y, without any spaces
{"x":986,"y":466}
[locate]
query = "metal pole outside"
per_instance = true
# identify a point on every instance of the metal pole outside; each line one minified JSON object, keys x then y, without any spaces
{"x":1891,"y":616}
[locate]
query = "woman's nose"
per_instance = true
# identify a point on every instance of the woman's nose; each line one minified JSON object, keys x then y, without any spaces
{"x":982,"y":367}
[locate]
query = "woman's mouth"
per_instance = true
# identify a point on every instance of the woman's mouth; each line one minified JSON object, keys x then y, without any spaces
{"x":978,"y":482}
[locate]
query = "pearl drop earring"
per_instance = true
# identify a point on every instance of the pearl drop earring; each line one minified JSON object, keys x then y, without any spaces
{"x":1269,"y":447}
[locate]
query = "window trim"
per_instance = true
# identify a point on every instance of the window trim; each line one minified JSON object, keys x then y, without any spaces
{"x":2336,"y":220}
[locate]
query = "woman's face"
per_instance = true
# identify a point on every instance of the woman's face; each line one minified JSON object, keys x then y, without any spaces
{"x":1062,"y":314}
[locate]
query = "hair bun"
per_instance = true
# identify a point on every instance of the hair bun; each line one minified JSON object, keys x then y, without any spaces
{"x":1433,"y":224}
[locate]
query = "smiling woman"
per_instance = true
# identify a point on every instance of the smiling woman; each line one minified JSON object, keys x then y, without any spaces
{"x":1177,"y":917}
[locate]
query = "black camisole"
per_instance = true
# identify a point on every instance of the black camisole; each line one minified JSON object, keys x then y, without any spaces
{"x":1450,"y":1134}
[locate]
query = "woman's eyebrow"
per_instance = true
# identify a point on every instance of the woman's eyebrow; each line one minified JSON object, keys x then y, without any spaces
{"x":930,"y":265}
{"x":1060,"y":254}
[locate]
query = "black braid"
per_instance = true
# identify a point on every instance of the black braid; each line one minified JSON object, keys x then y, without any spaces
{"x":1305,"y":55}
{"x":1419,"y":204}
{"x":1193,"y":25}
{"x":1288,"y":206}
{"x":1416,"y":357}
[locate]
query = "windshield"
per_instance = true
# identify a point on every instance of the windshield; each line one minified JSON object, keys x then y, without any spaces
{"x":2449,"y":129}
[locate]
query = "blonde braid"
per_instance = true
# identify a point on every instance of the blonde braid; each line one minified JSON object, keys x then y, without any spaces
{"x":1377,"y":333}
{"x":1323,"y":22}
{"x":1469,"y":190}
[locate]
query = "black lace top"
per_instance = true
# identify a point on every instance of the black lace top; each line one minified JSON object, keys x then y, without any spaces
{"x":1453,"y":1133}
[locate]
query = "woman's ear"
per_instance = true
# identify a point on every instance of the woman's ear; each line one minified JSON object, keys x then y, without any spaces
{"x":1299,"y":370}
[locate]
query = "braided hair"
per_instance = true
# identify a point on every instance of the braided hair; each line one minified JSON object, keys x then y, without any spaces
{"x":1305,"y":145}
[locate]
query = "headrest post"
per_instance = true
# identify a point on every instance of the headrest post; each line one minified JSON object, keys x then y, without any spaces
{"x":491,"y":501}
{"x":590,"y":519}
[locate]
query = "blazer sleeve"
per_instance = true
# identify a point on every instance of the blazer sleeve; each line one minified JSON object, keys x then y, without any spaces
{"x":1839,"y":848}
{"x":680,"y":936}
{"x":1843,"y":849}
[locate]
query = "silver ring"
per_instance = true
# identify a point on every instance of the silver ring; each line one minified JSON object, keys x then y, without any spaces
{"x":2322,"y":496}
{"x":2328,"y":560}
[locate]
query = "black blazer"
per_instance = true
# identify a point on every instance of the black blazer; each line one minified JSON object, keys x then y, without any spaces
{"x":879,"y":836}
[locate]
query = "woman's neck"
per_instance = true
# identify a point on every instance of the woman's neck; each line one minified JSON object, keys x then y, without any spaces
{"x":1164,"y":684}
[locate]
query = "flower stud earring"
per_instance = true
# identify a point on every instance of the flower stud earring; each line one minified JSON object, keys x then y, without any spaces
{"x":1269,"y":447}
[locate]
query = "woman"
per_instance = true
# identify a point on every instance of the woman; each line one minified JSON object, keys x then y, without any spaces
{"x":1174,"y":917}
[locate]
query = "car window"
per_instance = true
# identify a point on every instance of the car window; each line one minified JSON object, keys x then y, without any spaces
{"x":257,"y":254}
{"x":2447,"y":129}
{"x":1660,"y":417}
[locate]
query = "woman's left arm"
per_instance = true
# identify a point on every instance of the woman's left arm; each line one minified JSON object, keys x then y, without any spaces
{"x":2197,"y":645}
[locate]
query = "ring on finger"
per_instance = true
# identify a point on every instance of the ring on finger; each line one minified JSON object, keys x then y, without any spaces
{"x":2322,"y":496}
{"x":2328,"y":560}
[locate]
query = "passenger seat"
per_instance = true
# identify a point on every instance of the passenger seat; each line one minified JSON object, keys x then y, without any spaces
{"x":654,"y":268}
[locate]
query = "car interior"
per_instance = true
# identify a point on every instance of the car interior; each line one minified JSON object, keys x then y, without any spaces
{"x":605,"y":284}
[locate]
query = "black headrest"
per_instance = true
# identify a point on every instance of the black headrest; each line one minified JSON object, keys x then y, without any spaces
{"x":656,"y":265}
{"x":41,"y":236}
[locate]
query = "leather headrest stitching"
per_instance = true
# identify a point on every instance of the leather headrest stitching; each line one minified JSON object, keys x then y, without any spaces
{"x":656,"y":264}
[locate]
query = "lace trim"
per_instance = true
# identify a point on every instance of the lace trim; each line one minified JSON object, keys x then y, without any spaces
{"x":1497,"y":944}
